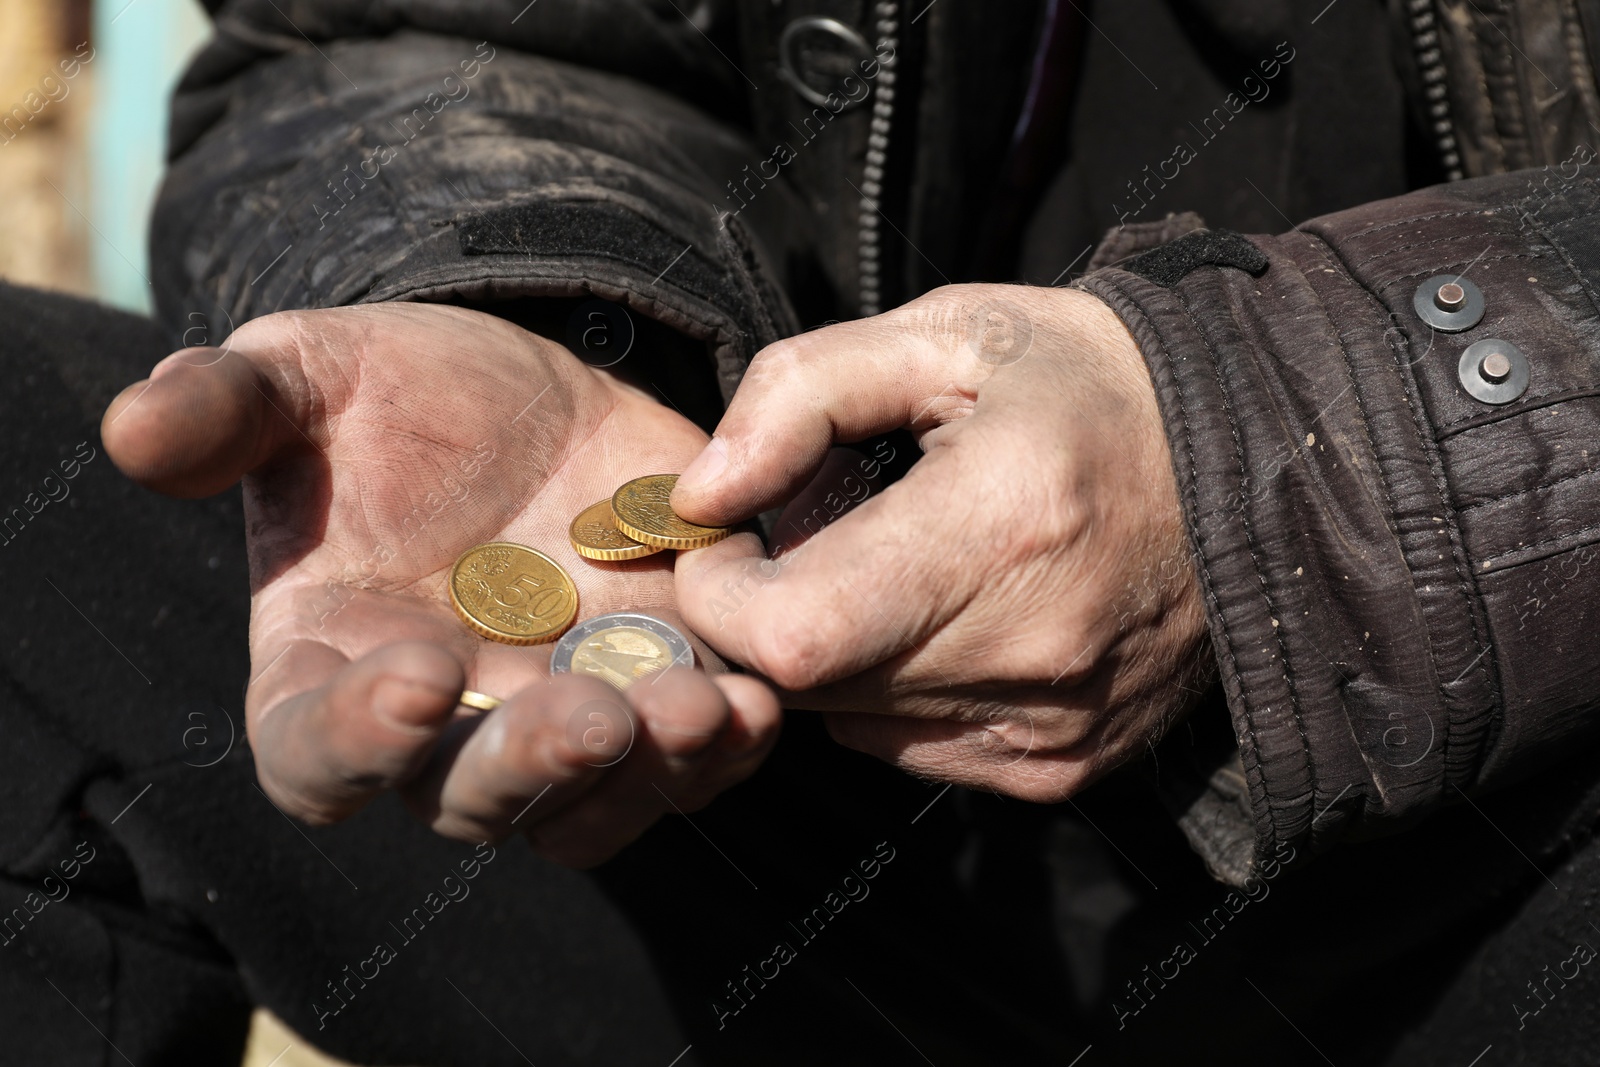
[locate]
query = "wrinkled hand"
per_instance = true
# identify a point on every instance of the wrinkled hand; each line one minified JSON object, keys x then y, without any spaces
{"x":376,"y":444}
{"x":1020,"y":612}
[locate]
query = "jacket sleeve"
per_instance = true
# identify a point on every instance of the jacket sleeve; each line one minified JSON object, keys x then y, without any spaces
{"x":1400,"y":579}
{"x":343,"y":152}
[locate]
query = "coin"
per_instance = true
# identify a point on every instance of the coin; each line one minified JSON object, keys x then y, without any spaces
{"x":595,"y":535}
{"x":481,"y":701}
{"x":621,"y":648}
{"x":643,"y":511}
{"x":512,"y":594}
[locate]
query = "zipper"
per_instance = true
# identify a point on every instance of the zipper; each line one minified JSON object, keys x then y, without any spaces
{"x":1435,"y":93}
{"x":869,"y":234}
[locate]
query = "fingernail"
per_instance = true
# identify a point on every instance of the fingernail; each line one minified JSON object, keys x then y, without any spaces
{"x":406,"y":704}
{"x":707,"y":466}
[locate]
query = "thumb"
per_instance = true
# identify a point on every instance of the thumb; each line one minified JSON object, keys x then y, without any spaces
{"x":200,"y":423}
{"x":803,"y":395}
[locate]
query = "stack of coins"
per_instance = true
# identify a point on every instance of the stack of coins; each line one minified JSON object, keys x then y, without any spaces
{"x":519,"y":596}
{"x":637,"y":521}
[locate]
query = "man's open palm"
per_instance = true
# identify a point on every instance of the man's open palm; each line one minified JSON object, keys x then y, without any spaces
{"x":376,"y":445}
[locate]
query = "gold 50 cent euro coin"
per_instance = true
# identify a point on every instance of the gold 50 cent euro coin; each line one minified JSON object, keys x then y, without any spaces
{"x":512,"y":594}
{"x":642,"y":511}
{"x":595,"y":535}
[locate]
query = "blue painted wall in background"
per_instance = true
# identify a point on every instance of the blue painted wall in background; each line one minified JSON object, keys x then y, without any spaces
{"x":142,"y":48}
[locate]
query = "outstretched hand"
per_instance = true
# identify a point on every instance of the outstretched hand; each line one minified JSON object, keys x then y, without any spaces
{"x":376,"y":444}
{"x":1019,"y":613}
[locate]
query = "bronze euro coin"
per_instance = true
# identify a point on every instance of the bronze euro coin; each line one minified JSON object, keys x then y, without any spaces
{"x":643,"y":511}
{"x":595,"y":535}
{"x":512,"y":594}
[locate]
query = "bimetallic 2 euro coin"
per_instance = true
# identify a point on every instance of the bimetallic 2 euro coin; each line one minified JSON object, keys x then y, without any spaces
{"x":621,"y":648}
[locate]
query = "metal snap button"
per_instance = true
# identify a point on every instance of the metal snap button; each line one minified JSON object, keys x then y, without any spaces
{"x":1494,"y":371}
{"x":818,"y":56}
{"x":1448,"y":302}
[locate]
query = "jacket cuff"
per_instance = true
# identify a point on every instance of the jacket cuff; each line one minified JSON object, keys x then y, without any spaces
{"x":1288,"y":432}
{"x":1367,"y":532}
{"x":450,"y":170}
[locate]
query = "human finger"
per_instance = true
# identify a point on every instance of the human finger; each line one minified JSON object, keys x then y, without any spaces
{"x":751,"y":734}
{"x":680,"y":715}
{"x":206,"y":416}
{"x":872,"y":585}
{"x":364,"y":726}
{"x":541,"y":750}
{"x":696,"y":737}
{"x":195,"y":426}
{"x":806,"y":393}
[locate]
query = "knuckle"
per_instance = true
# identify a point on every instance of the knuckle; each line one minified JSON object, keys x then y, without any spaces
{"x":563,"y":753}
{"x":791,"y":651}
{"x":777,"y":362}
{"x":1062,"y":656}
{"x":679,"y":698}
{"x":939,"y":300}
{"x":1064,"y":522}
{"x":776,"y":663}
{"x":527,"y":746}
{"x":946,"y":312}
{"x":1059,"y":520}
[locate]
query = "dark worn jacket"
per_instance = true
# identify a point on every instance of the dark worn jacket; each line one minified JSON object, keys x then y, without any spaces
{"x":1398,"y":575}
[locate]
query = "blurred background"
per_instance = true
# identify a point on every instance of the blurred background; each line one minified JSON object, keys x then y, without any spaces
{"x":83,"y":130}
{"x":83,"y":115}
